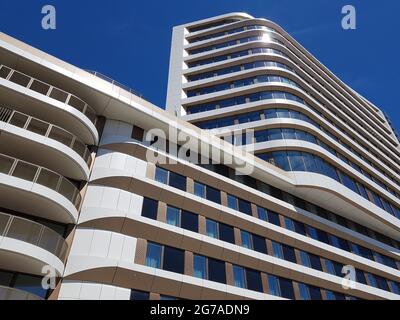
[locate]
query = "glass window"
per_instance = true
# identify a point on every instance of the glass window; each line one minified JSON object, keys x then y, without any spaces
{"x":216,"y":271}
{"x":177,"y":181}
{"x":199,"y":266}
{"x":190,"y":221}
{"x":273,"y":218}
{"x":372,"y":280}
{"x":286,"y":287}
{"x":289,"y":224}
{"x":315,"y":262}
{"x":161,"y":175}
{"x":330,"y":267}
{"x":174,"y":260}
{"x":226,"y":233}
{"x":360,"y":277}
{"x":288,"y":253}
{"x":277,"y":250}
{"x":288,"y":134}
{"x":315,"y":293}
{"x":246,"y":240}
{"x":299,"y":227}
{"x":153,"y":255}
{"x":273,"y":285}
{"x":212,"y":228}
{"x":395,"y":287}
{"x":329,"y":295}
{"x":232,"y":202}
{"x":322,"y":236}
{"x":281,"y":160}
{"x":305,"y":259}
{"x":139,"y":295}
{"x":296,"y":161}
{"x":30,"y":284}
{"x":238,"y":277}
{"x":213,"y":194}
{"x":199,"y":189}
{"x":150,"y":208}
{"x":274,"y":134}
{"x":304,"y":292}
{"x":244,"y":206}
{"x":262,"y":213}
{"x":253,"y":279}
{"x":259,"y":244}
{"x":173,"y":216}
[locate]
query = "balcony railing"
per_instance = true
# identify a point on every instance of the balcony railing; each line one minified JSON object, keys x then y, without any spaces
{"x":7,"y":293}
{"x":33,"y":233}
{"x":46,"y":129}
{"x":116,"y":83}
{"x":31,"y":172}
{"x":48,"y":90}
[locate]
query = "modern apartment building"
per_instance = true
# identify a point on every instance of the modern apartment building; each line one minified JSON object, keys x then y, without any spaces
{"x":83,"y":196}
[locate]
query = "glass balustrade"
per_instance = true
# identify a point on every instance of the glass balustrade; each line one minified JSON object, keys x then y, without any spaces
{"x":46,"y":129}
{"x":33,"y":233}
{"x":48,"y":90}
{"x":27,"y":171}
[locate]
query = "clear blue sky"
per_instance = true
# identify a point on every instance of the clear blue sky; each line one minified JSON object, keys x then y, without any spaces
{"x":129,"y":40}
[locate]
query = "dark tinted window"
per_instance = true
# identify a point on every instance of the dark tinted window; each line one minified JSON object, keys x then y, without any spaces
{"x":315,"y":262}
{"x":360,"y":277}
{"x":315,"y":293}
{"x":189,"y":221}
{"x":216,"y":270}
{"x":226,"y":233}
{"x":174,"y":259}
{"x":254,"y":280}
{"x":213,"y":194}
{"x":244,"y":206}
{"x":259,"y":244}
{"x":149,"y":209}
{"x":286,"y":288}
{"x":273,"y":218}
{"x":288,"y":253}
{"x":139,"y":295}
{"x":177,"y":181}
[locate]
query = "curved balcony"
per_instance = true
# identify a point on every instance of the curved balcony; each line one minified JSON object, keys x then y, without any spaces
{"x":45,"y":193}
{"x":51,"y":154}
{"x":34,"y":233}
{"x":89,"y":118}
{"x":7,"y":293}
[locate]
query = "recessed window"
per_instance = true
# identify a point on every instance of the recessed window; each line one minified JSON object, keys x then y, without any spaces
{"x":199,"y":266}
{"x":161,"y":175}
{"x":213,"y":194}
{"x":174,"y":260}
{"x":139,"y":295}
{"x":199,"y":189}
{"x":253,"y":280}
{"x":232,"y":202}
{"x":304,"y":292}
{"x":190,"y":221}
{"x":173,"y":216}
{"x":244,"y":206}
{"x":246,"y":239}
{"x":259,"y":244}
{"x":273,"y":285}
{"x":226,"y":233}
{"x":212,"y":228}
{"x":286,"y":287}
{"x":153,"y":255}
{"x":216,"y":271}
{"x":238,"y":277}
{"x":177,"y":181}
{"x":150,"y":208}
